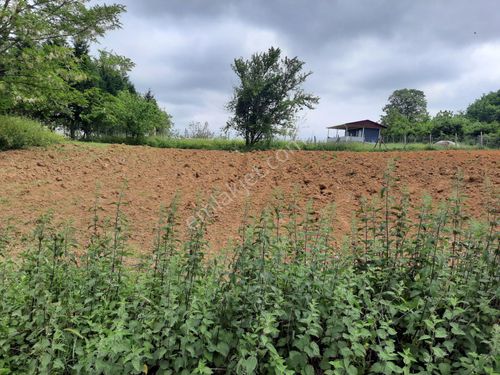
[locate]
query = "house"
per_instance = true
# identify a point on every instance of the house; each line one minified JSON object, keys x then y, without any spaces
{"x":357,"y":131}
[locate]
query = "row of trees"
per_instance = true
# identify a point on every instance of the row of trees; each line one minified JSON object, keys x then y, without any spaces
{"x":406,"y":114}
{"x":47,"y":72}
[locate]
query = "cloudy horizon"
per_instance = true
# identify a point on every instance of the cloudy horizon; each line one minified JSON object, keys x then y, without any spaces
{"x":359,"y":53}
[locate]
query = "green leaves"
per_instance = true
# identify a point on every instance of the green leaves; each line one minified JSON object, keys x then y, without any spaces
{"x":16,"y":133}
{"x":273,"y":308}
{"x":269,"y":96}
{"x":39,"y":70}
{"x":406,"y":108}
{"x":223,"y":348}
{"x":130,"y":114}
{"x":440,"y":333}
{"x":47,"y":72}
{"x":249,"y":365}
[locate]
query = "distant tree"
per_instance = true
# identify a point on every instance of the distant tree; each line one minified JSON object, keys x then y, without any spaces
{"x":47,"y":72}
{"x":166,"y":127}
{"x":397,"y":124}
{"x":131,"y":115}
{"x":85,"y":90}
{"x":269,"y":95}
{"x":196,"y":129}
{"x":448,"y":124}
{"x":486,"y":108}
{"x":406,"y":109}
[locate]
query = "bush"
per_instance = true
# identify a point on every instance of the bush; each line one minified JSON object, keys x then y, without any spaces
{"x":18,"y":132}
{"x":397,"y":298}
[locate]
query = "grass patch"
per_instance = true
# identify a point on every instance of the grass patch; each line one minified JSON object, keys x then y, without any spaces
{"x":239,"y":145}
{"x":398,"y":297}
{"x":18,"y":133}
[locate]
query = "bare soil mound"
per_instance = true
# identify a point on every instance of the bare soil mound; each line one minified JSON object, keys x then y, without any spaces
{"x":67,"y":178}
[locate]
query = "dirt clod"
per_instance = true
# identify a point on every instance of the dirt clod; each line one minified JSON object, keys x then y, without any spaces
{"x":68,"y":183}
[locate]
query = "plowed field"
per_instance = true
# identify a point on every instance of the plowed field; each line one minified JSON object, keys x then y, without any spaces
{"x":67,"y":178}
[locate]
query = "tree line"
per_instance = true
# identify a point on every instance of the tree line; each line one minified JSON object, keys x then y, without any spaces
{"x":406,"y":115}
{"x":269,"y":95}
{"x":47,"y":72}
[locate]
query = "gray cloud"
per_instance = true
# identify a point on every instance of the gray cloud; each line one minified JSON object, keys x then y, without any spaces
{"x":359,"y":51}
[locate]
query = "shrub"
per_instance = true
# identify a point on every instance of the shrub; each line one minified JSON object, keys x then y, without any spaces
{"x":18,"y":132}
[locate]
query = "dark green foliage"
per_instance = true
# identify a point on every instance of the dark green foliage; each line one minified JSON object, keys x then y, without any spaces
{"x":46,"y":72}
{"x":399,"y":297}
{"x":38,"y":69}
{"x":486,"y":109}
{"x":406,"y":108}
{"x":445,"y":123}
{"x":113,"y":73}
{"x":130,"y":115}
{"x":448,"y":125}
{"x":406,"y":115}
{"x":266,"y":102}
{"x":17,"y":132}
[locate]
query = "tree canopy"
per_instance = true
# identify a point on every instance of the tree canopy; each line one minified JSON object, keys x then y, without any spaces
{"x":269,"y":95}
{"x":47,"y":72}
{"x":131,"y":115}
{"x":405,"y":109}
{"x":36,"y":65}
{"x":34,"y":22}
{"x":485,"y":109}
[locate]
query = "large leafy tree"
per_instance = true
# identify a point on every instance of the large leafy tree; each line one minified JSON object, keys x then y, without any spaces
{"x":405,"y":110}
{"x":269,"y":95}
{"x":46,"y":70}
{"x":485,"y":109}
{"x":37,"y":65}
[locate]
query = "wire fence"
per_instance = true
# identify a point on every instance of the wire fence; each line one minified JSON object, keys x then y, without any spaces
{"x":483,"y":140}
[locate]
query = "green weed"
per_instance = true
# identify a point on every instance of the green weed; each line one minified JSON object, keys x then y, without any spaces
{"x":239,"y":145}
{"x":18,"y":132}
{"x":399,"y":296}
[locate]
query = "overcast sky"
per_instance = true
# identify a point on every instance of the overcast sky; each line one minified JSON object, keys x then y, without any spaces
{"x":358,"y":50}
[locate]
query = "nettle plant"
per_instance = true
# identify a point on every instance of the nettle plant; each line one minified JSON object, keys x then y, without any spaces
{"x":408,"y":292}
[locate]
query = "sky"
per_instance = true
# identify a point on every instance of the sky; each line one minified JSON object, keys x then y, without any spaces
{"x":359,"y":51}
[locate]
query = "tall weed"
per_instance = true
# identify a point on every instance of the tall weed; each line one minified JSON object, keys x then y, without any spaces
{"x":400,"y":296}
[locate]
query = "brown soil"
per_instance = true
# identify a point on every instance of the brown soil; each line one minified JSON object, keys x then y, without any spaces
{"x":65,"y":179}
